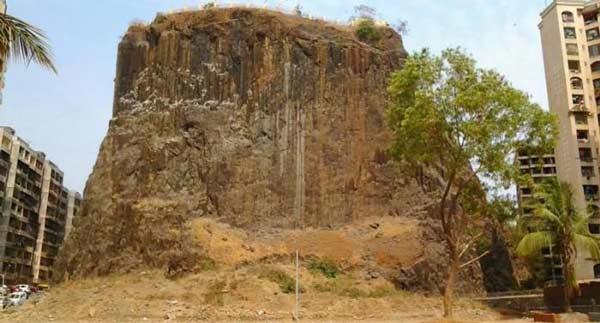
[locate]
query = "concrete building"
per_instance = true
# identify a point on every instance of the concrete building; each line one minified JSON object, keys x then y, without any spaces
{"x":35,"y":209}
{"x":539,"y":168}
{"x":570,"y":36}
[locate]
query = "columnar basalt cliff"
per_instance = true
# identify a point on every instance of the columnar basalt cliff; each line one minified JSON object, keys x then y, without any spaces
{"x":254,"y":118}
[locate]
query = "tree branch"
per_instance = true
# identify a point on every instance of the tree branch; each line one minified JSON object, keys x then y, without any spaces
{"x":474,"y":260}
{"x":469,"y":245}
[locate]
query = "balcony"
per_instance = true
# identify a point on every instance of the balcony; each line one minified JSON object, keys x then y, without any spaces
{"x":592,"y":197}
{"x":580,"y":108}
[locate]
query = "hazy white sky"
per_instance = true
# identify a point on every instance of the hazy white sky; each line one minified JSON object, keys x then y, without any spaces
{"x":66,"y":115}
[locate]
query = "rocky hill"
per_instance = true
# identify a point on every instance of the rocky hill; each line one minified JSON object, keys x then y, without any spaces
{"x":246,"y":134}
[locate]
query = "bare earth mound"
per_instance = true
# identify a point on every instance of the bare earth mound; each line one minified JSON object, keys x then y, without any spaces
{"x":226,"y":294}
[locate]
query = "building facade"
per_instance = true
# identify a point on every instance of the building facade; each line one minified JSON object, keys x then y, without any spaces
{"x":37,"y":210}
{"x":570,"y":36}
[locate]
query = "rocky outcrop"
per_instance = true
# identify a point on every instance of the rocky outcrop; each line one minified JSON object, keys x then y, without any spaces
{"x":257,"y":119}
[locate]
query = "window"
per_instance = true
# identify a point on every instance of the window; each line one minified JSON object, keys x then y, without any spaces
{"x":578,"y":99}
{"x":592,"y":34}
{"x":594,"y":50}
{"x":576,"y":83}
{"x":572,"y":49}
{"x":567,"y":16}
{"x":587,"y":171}
{"x":597,"y":84}
{"x":585,"y":154}
{"x":581,"y":118}
{"x":594,"y":229}
{"x":570,"y":33}
{"x":590,"y":19}
{"x":596,"y":270}
{"x":591,"y":192}
{"x":583,"y":135}
{"x":574,"y":66}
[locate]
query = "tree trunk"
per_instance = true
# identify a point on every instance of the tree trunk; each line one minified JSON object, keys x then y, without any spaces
{"x":568,"y":278}
{"x":449,"y":290}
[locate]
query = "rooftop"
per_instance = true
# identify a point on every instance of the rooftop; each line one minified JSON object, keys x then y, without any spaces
{"x":577,"y":3}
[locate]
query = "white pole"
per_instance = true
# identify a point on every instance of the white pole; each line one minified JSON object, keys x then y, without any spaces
{"x":296,"y":316}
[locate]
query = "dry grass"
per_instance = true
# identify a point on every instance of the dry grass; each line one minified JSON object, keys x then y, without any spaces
{"x":249,"y":293}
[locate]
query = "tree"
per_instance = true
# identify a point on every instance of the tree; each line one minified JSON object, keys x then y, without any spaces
{"x":21,"y":41}
{"x":464,"y":123}
{"x":364,"y":12}
{"x":556,"y":223}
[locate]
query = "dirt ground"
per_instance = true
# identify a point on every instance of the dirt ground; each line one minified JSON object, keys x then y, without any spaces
{"x":253,"y":293}
{"x":250,"y":277}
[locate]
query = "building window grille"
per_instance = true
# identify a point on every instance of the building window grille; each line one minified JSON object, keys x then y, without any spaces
{"x":593,"y":34}
{"x":567,"y":16}
{"x":594,"y":50}
{"x":570,"y":33}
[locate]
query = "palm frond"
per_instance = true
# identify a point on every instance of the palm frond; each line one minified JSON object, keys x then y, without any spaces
{"x":544,"y":214}
{"x":589,"y":243}
{"x":581,"y":226}
{"x":23,"y":42}
{"x":532,"y":243}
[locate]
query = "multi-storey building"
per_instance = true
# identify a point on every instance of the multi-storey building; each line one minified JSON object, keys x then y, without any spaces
{"x":539,"y":168}
{"x":35,"y":210}
{"x":571,"y":47}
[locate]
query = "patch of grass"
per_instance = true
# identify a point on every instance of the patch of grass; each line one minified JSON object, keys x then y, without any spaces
{"x":286,"y":283}
{"x":325,"y":267}
{"x":206,"y":264}
{"x":214,"y":295}
{"x":367,"y":31}
{"x":346,"y":289}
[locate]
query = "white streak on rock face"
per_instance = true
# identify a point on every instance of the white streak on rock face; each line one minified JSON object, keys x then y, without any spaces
{"x":283,"y":143}
{"x":299,"y":196}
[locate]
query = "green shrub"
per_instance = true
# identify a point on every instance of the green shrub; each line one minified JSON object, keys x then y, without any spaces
{"x":325,"y":267}
{"x":286,"y":283}
{"x":367,"y":31}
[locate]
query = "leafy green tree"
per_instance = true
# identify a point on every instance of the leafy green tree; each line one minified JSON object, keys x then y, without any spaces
{"x":21,"y":41}
{"x":556,"y":222}
{"x":464,"y":123}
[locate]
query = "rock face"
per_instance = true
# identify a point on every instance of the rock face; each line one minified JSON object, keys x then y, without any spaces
{"x":257,"y":119}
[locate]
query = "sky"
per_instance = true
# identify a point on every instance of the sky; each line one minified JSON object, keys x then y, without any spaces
{"x":67,"y":115}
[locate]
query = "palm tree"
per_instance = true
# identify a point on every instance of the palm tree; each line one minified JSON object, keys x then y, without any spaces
{"x":557,"y":222}
{"x":21,"y":41}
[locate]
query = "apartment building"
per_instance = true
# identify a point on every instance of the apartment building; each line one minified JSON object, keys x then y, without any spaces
{"x":37,"y":210}
{"x":570,"y":36}
{"x":539,"y":168}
